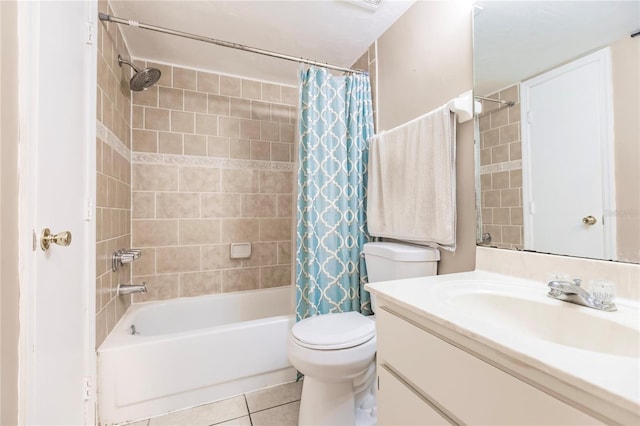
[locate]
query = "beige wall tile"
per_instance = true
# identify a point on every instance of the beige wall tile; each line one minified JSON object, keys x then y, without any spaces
{"x":206,"y":124}
{"x":260,"y":150}
{"x":146,"y":263}
{"x":171,"y":98}
{"x":485,"y":181}
{"x":184,"y":78}
{"x":199,"y":179}
{"x":199,"y":231}
{"x":137,"y":119}
{"x":269,"y":131}
{"x":284,"y":253}
{"x":240,"y":108}
{"x":159,"y":287}
{"x":271,"y":92}
{"x":260,"y":110}
{"x":195,"y":145}
{"x":169,"y":143}
{"x":240,"y":279}
{"x":218,"y":105}
{"x":510,"y":133}
{"x":144,"y":140}
{"x":512,"y":234}
{"x":287,"y":133}
{"x":152,"y":177}
{"x":239,"y":230}
{"x":276,"y":182}
{"x":177,"y":205}
{"x":208,"y":82}
{"x":514,"y":114}
{"x":200,"y":283}
{"x":166,"y":73}
{"x":262,"y":254}
{"x":250,"y":129}
{"x":285,"y":205}
{"x":156,"y":119}
{"x":177,"y":259}
{"x":239,"y":148}
{"x":510,"y":198}
{"x":500,"y":180}
{"x":217,"y":257}
{"x":195,"y":101}
{"x":182,"y":122}
{"x":515,"y":177}
{"x":239,"y":180}
{"x":153,"y":233}
{"x":515,"y":151}
{"x":516,"y":215}
{"x":490,"y":138}
{"x":251,"y":89}
{"x":500,"y":154}
{"x":501,"y":216}
{"x":218,"y":146}
{"x":230,"y":86}
{"x":257,"y":205}
{"x":143,"y":204}
{"x":147,"y":97}
{"x":275,"y":229}
{"x":485,"y":156}
{"x":280,"y":152}
{"x":275,"y":276}
{"x":229,"y":127}
{"x":280,"y":113}
{"x":289,"y":95}
{"x":499,"y":117}
{"x":491,"y":198}
{"x":221,"y":205}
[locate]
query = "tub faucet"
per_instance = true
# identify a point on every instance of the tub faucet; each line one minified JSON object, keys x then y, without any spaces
{"x":574,"y":293}
{"x":130,"y":289}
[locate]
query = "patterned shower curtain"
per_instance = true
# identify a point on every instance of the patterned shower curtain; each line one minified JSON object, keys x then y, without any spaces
{"x":336,"y":120}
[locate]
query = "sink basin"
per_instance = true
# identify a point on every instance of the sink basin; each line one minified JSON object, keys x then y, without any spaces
{"x":531,"y":313}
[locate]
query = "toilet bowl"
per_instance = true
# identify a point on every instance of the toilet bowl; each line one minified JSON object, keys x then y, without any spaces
{"x":336,"y":352}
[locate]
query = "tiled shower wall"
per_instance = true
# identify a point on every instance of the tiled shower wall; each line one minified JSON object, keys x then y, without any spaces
{"x":212,"y":165}
{"x":367,"y":62}
{"x":501,"y":170}
{"x":113,"y":166}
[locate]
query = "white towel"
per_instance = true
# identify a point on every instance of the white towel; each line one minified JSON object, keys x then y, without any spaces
{"x":411,"y":192}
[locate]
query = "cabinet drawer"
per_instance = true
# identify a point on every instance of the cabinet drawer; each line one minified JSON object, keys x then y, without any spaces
{"x":400,"y":405}
{"x":466,"y":387}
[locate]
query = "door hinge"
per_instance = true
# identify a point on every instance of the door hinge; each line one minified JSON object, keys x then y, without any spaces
{"x":91,"y":32}
{"x":88,"y":215}
{"x":87,"y":388}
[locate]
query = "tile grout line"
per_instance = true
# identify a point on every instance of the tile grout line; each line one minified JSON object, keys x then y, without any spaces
{"x":276,"y":406}
{"x":246,"y":403}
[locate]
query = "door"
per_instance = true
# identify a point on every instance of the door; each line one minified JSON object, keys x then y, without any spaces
{"x":57,"y":89}
{"x":567,"y":184}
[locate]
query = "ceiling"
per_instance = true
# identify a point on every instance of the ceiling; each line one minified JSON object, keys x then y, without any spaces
{"x":515,"y":40}
{"x":331,"y":31}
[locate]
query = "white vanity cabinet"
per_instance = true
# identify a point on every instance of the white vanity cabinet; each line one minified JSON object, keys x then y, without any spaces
{"x":427,"y":379}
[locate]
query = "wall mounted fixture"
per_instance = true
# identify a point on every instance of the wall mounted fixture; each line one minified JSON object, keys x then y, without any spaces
{"x":120,"y":257}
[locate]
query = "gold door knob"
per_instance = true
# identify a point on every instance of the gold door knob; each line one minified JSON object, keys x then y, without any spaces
{"x":589,"y":220}
{"x":61,"y":239}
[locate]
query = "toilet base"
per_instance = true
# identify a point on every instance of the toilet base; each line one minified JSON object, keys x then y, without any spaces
{"x":339,"y":403}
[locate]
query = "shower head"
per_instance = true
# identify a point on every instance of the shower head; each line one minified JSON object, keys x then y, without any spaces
{"x":142,"y":79}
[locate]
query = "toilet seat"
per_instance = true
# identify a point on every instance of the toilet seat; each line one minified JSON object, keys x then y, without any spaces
{"x":334,"y":331}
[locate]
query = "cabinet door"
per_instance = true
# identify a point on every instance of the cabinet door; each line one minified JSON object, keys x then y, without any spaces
{"x":400,"y":405}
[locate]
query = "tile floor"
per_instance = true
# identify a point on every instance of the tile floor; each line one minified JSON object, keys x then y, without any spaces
{"x":274,"y":406}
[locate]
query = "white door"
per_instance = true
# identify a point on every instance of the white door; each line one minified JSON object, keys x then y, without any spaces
{"x":57,"y":172}
{"x":566,"y":144}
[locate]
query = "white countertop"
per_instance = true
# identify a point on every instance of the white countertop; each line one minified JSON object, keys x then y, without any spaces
{"x":610,"y":377}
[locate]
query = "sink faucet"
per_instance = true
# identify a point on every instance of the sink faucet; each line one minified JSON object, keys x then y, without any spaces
{"x":574,"y":293}
{"x":130,"y":289}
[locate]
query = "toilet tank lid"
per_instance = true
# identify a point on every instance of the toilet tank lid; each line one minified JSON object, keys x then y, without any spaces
{"x":401,"y":252}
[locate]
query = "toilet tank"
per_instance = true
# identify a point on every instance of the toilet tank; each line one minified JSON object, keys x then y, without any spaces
{"x":394,"y":261}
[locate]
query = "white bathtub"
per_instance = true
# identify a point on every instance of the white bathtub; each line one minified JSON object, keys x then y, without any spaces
{"x":192,"y":351}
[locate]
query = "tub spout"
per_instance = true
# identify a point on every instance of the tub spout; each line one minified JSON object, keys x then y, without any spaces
{"x":130,"y":289}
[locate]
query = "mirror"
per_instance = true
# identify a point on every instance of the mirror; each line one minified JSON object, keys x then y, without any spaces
{"x":535,"y":171}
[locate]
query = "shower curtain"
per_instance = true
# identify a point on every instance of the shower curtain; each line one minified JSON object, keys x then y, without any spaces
{"x":336,"y":119}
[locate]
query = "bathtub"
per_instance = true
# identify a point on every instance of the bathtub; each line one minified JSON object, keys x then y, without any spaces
{"x":191,"y":351}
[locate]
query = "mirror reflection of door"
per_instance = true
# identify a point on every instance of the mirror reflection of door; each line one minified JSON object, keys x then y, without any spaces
{"x":567,"y":159}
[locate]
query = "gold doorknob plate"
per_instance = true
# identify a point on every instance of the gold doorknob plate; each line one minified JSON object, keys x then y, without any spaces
{"x":589,"y":220}
{"x":61,"y":239}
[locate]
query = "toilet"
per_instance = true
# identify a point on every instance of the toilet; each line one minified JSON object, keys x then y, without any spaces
{"x":336,"y":352}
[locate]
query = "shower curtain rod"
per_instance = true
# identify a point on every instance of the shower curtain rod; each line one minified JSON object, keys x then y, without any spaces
{"x":116,"y":20}
{"x":500,"y":101}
